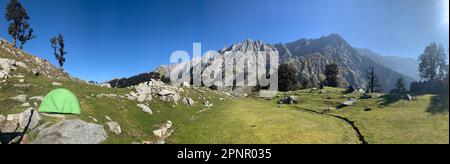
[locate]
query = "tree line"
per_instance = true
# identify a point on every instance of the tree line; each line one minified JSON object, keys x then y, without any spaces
{"x":21,"y":31}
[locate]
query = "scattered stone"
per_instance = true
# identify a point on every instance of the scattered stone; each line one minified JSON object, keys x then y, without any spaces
{"x":288,"y":100}
{"x":221,"y":99}
{"x":22,"y":85}
{"x":72,"y":132}
{"x":349,"y":102}
{"x":114,"y":127}
{"x":20,"y":98}
{"x":39,"y":98}
{"x":366,"y":96}
{"x":245,"y":95}
{"x":56,"y":84}
{"x":93,"y":119}
{"x":208,"y":104}
{"x":10,"y":126}
{"x":165,"y":93}
{"x":103,"y":95}
{"x":188,"y":101}
{"x":60,"y":116}
{"x":2,"y":118}
{"x":408,"y":97}
{"x":145,"y":108}
{"x":108,"y":118}
{"x":323,"y":91}
{"x":185,"y":84}
{"x":12,"y":117}
{"x":350,"y":89}
{"x":19,"y":76}
{"x":25,"y":105}
{"x":21,"y":80}
{"x":165,"y":130}
{"x":4,"y":74}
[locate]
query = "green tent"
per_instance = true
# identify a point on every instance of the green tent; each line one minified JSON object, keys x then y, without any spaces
{"x":60,"y":101}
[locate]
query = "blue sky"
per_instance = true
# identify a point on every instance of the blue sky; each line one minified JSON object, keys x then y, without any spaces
{"x":119,"y":38}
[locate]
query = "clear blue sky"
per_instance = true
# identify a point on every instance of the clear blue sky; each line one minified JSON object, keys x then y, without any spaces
{"x":118,"y":38}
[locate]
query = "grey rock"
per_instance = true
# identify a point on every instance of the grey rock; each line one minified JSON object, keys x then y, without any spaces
{"x":165,"y":92}
{"x":408,"y":97}
{"x":39,"y":98}
{"x":2,"y":118}
{"x":20,"y":98}
{"x":145,"y":108}
{"x":72,"y":132}
{"x":288,"y":100}
{"x":56,"y":84}
{"x":349,"y":102}
{"x":114,"y":127}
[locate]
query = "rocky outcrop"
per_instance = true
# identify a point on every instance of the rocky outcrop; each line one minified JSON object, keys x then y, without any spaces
{"x":72,"y":132}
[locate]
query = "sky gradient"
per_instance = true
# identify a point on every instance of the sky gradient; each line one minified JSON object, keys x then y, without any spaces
{"x":107,"y":39}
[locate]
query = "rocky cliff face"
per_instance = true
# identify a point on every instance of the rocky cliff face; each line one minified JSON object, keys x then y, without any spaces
{"x":310,"y":56}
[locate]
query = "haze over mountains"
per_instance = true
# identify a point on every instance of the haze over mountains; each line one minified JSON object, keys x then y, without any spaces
{"x":310,"y":57}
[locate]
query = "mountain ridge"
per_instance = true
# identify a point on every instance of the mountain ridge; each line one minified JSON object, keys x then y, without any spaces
{"x":310,"y":57}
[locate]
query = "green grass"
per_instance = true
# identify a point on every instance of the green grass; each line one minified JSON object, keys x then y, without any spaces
{"x":250,"y":121}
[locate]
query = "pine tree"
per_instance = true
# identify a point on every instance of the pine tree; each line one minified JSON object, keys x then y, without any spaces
{"x":399,"y":86}
{"x":331,"y":75}
{"x":372,"y":79}
{"x":58,"y":45}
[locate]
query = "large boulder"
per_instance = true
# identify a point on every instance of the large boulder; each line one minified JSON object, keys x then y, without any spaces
{"x":72,"y":132}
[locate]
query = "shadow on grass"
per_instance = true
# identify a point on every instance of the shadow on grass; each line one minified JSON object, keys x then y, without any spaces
{"x":390,"y":99}
{"x":438,"y":104}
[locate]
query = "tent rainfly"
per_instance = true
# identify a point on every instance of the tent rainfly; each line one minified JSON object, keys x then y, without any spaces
{"x":60,"y":101}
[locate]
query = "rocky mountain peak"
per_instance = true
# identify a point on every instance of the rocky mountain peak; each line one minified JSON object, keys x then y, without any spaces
{"x":250,"y":45}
